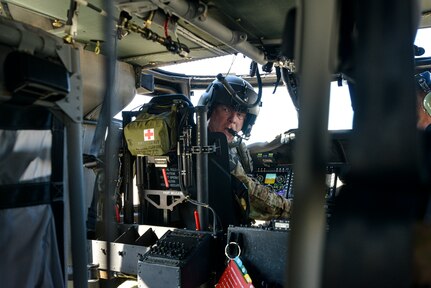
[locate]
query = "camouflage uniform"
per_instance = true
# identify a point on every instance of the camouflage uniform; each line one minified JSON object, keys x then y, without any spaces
{"x":264,"y":204}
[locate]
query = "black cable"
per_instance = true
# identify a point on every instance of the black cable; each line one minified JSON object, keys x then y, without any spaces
{"x":93,"y":7}
{"x":72,"y":8}
{"x":187,"y":195}
{"x":233,"y":93}
{"x":342,"y":151}
{"x":259,"y":85}
{"x":215,"y":217}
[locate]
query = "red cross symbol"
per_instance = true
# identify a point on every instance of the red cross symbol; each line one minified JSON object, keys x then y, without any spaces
{"x":148,"y":134}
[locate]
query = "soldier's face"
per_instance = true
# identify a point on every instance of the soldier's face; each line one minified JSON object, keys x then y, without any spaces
{"x":224,"y":117}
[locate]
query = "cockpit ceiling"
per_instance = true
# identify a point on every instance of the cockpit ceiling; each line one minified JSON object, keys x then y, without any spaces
{"x":259,"y":23}
{"x":207,"y":28}
{"x":426,"y":13}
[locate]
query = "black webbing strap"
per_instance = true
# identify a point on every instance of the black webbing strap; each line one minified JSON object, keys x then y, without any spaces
{"x":24,"y":194}
{"x":57,"y":185}
{"x":99,"y":133}
{"x":14,"y":117}
{"x":57,"y":154}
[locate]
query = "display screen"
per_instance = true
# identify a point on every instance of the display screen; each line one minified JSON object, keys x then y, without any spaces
{"x":270,"y":178}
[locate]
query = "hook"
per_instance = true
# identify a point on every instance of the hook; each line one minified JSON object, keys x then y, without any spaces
{"x":97,"y":49}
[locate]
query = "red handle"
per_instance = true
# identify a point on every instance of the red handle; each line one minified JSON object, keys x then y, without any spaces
{"x":165,"y":177}
{"x":197,"y":222}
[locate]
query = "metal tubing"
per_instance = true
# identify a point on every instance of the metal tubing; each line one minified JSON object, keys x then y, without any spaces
{"x":128,"y":177}
{"x":77,"y":204}
{"x":140,"y":183}
{"x":188,"y":157}
{"x":111,"y":143}
{"x":196,"y":16}
{"x":75,"y":181}
{"x":202,"y":164}
{"x":385,"y":174}
{"x":308,"y":215}
{"x":128,"y":189}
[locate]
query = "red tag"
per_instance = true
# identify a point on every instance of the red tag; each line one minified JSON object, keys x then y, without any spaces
{"x":232,"y":277}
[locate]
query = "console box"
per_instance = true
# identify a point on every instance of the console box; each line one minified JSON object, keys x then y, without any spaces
{"x":263,"y":252}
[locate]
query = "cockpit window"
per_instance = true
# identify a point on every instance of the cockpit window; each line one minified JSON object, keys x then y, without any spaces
{"x":277,"y":114}
{"x":230,"y":64}
{"x":340,"y":107}
{"x":422,"y":42}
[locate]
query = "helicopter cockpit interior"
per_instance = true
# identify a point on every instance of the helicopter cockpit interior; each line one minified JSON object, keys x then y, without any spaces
{"x":109,"y":176}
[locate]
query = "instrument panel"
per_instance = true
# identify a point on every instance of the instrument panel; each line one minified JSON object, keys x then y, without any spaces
{"x":279,"y":179}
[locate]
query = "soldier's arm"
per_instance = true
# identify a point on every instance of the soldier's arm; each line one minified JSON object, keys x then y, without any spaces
{"x":265,"y":204}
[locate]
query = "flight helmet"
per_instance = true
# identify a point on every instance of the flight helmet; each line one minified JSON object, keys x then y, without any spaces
{"x":235,"y":92}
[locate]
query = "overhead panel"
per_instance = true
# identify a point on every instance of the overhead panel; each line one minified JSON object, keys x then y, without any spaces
{"x":256,"y":24}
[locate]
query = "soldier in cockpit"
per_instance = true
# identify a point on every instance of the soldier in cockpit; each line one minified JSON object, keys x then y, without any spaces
{"x":231,"y":113}
{"x":423,"y":92}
